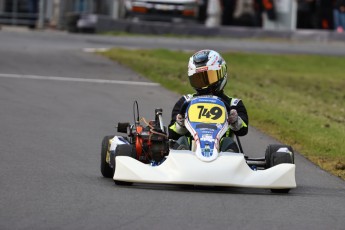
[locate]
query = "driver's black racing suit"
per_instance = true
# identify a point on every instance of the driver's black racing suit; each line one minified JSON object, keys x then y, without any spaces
{"x":234,"y":103}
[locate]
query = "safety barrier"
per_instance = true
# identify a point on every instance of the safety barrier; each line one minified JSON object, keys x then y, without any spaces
{"x":19,"y":12}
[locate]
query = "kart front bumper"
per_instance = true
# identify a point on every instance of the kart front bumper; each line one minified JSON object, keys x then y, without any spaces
{"x":183,"y":167}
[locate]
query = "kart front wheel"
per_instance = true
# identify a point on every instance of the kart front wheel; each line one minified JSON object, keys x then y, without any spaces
{"x":106,"y":170}
{"x":274,"y":158}
{"x":123,"y":150}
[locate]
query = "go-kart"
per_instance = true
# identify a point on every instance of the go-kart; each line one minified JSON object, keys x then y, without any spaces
{"x":146,"y":156}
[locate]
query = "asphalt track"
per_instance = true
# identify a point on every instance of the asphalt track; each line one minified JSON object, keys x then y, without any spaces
{"x":54,"y":111}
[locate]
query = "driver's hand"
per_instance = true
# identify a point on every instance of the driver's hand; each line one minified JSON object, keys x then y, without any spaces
{"x":233,"y":116}
{"x":235,"y":121}
{"x":180,"y":120}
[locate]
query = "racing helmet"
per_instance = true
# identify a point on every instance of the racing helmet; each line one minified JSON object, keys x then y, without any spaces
{"x":207,"y":72}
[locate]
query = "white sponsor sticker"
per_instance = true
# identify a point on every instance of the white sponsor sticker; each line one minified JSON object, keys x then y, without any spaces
{"x":207,"y":138}
{"x":234,"y":101}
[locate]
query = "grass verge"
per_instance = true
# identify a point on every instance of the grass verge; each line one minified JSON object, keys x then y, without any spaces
{"x":298,"y":99}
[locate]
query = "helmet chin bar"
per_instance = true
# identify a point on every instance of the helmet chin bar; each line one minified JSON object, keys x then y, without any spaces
{"x":212,"y":89}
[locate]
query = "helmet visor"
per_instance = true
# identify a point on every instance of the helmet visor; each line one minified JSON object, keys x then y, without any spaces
{"x":203,"y":79}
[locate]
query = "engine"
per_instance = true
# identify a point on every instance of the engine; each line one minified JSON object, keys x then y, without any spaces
{"x":150,"y":141}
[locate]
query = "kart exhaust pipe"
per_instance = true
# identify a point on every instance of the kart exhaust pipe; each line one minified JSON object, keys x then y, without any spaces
{"x":159,"y":118}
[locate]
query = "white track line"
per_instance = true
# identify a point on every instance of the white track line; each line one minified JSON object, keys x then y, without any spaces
{"x":94,"y":50}
{"x":101,"y":81}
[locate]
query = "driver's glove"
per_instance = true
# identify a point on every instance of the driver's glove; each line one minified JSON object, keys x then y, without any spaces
{"x":180,"y":120}
{"x":180,"y":127}
{"x":234,"y":120}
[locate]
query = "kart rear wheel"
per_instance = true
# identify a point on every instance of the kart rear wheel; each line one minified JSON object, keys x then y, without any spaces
{"x":123,"y":150}
{"x":106,"y":170}
{"x":274,"y":158}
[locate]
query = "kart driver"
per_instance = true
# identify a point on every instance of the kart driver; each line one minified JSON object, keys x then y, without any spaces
{"x":207,"y":73}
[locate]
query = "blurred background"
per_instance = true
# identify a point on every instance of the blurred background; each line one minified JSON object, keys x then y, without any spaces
{"x":86,"y":15}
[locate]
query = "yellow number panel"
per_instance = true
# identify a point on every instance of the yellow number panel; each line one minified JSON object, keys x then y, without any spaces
{"x":207,"y":113}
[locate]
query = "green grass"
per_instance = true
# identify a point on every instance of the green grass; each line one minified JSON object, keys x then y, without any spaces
{"x":298,"y":99}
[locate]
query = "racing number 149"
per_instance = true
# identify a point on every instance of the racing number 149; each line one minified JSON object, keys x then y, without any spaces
{"x":215,"y":111}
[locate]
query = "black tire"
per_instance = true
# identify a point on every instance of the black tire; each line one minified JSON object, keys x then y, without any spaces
{"x":274,"y":148}
{"x":123,"y":150}
{"x":106,"y":170}
{"x":72,"y":21}
{"x":274,"y":158}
